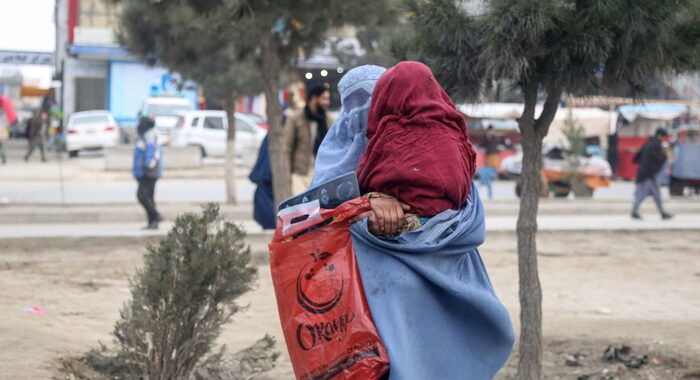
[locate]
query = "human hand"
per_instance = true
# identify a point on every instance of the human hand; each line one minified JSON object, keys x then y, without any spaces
{"x":386,"y":217}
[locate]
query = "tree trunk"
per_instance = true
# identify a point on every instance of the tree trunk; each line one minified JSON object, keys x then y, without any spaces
{"x":533,"y":132}
{"x":279,"y":152}
{"x":529,"y":365}
{"x":229,"y":163}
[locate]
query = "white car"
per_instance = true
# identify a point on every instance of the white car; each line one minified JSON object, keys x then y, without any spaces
{"x":90,"y":130}
{"x":165,"y":111}
{"x":207,"y":130}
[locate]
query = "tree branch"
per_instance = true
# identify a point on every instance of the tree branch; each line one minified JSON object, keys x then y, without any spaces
{"x":549,"y":110}
{"x":527,"y":119}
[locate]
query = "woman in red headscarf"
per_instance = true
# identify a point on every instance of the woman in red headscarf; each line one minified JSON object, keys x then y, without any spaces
{"x":419,"y":158}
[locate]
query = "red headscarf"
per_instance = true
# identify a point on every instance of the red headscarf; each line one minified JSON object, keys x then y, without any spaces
{"x":419,"y":150}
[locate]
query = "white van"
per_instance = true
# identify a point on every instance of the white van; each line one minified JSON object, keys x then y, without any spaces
{"x":207,"y":130}
{"x":165,"y":111}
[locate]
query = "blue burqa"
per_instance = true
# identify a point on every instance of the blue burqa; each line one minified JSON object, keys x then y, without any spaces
{"x":346,"y":141}
{"x":432,"y":300}
{"x":263,"y":201}
{"x":428,"y":290}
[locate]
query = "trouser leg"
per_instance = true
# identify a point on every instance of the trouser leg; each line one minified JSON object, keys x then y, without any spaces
{"x":40,"y":144}
{"x":145,"y":195}
{"x":152,"y":194}
{"x":640,"y":192}
{"x":656,"y":194}
{"x":2,"y":153}
{"x":32,"y":144}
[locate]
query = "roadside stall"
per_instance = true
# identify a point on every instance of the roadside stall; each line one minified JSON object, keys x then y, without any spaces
{"x":501,"y":117}
{"x":596,"y":123}
{"x":557,"y":173}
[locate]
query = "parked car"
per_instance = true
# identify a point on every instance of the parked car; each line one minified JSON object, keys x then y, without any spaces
{"x":91,"y":130}
{"x":258,"y":119}
{"x":208,"y":129}
{"x":165,"y":111}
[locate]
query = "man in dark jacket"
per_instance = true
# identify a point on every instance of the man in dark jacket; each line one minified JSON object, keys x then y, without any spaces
{"x":35,"y":132}
{"x":303,"y":132}
{"x":651,"y":159}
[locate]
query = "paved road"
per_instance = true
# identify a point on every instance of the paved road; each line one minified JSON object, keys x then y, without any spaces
{"x":167,"y":190}
{"x":85,"y":181}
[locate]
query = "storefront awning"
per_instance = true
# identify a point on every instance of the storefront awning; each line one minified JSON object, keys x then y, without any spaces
{"x":107,"y":52}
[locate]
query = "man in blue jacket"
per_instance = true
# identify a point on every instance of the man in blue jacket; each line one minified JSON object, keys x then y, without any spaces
{"x":148,"y":167}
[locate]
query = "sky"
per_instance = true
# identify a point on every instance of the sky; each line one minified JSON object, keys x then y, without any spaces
{"x":28,"y":25}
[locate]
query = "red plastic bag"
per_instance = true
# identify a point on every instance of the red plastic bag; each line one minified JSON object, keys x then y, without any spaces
{"x":326,"y":321}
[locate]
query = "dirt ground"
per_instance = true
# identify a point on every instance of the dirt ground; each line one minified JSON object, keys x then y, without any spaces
{"x":639,"y":289}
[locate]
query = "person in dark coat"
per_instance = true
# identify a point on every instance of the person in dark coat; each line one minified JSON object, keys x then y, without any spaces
{"x":490,"y":145}
{"x":651,"y":159}
{"x":264,"y":199}
{"x":35,"y":132}
{"x":304,"y":130}
{"x":148,"y":167}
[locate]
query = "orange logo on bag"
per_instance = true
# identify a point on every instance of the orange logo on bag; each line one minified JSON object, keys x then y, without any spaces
{"x":330,"y":282}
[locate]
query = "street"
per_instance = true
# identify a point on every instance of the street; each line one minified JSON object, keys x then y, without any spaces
{"x":85,"y":181}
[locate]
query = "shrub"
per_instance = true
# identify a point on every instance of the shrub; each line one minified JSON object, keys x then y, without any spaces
{"x":183,"y":295}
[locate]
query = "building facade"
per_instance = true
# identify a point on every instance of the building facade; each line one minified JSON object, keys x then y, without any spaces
{"x":96,"y":73}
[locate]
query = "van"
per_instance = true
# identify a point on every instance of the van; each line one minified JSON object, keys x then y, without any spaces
{"x":165,"y":112}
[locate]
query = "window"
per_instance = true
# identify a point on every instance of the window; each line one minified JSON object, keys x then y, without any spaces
{"x":89,"y":94}
{"x":213,"y":123}
{"x":242,"y":126}
{"x":98,"y":14}
{"x":91,"y":119}
{"x":195,"y":122}
{"x":167,"y":109}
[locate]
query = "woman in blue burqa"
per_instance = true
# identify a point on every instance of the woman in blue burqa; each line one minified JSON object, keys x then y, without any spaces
{"x":426,"y":285}
{"x":263,"y":200}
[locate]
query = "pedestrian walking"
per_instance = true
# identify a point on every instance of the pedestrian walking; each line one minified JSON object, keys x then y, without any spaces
{"x":36,"y":131}
{"x":486,"y":176}
{"x":651,"y":159}
{"x":304,"y":131}
{"x":147,"y":168}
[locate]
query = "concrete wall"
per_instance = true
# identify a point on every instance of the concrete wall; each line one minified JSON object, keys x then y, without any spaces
{"x":121,"y":158}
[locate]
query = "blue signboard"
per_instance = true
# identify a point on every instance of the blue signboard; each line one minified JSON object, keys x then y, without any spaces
{"x":132,"y":82}
{"x":26,"y":58}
